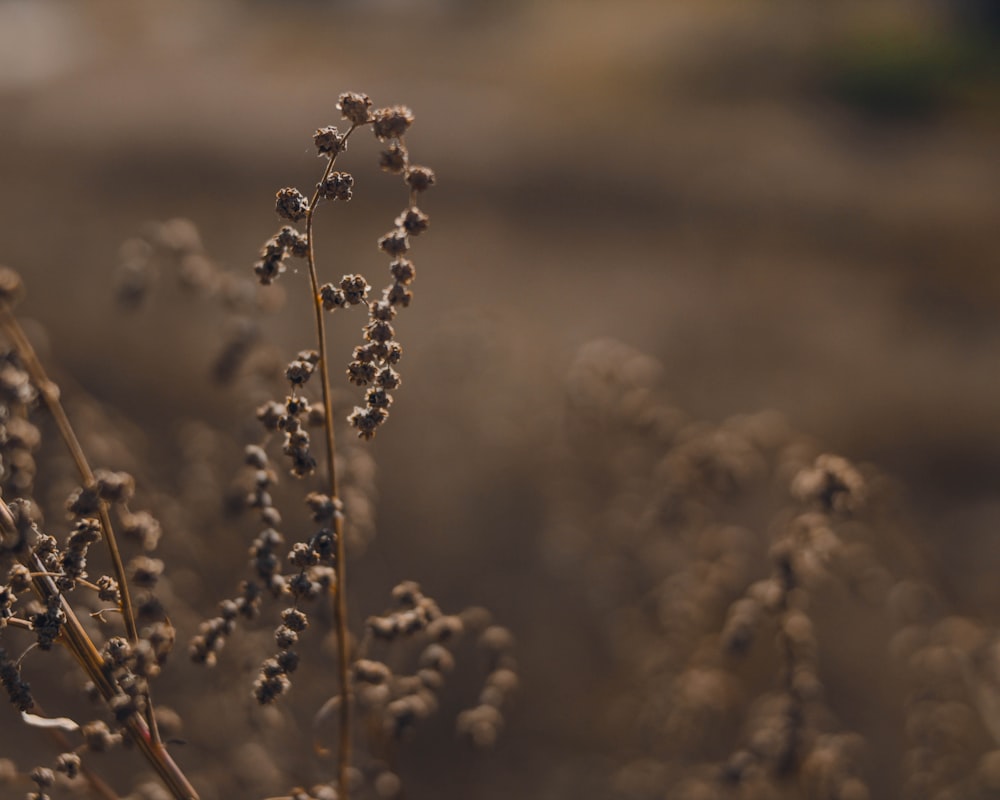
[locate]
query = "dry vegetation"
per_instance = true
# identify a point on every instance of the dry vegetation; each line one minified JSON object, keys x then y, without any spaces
{"x":651,"y":220}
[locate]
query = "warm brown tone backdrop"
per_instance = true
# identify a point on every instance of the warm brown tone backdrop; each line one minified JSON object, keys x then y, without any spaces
{"x":791,"y":207}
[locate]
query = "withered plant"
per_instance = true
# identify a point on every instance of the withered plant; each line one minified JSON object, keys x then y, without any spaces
{"x":386,"y":678}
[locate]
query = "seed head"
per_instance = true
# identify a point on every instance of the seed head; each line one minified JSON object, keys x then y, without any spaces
{"x":355,"y":106}
{"x":291,"y":204}
{"x":337,"y":186}
{"x":420,"y":179}
{"x":391,"y":123}
{"x":393,"y":158}
{"x":329,"y":141}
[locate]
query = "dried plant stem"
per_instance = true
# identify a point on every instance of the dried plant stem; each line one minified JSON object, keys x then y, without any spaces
{"x":87,"y":655}
{"x":50,"y":396}
{"x":340,"y":588}
{"x":97,"y":784}
{"x":49,"y":392}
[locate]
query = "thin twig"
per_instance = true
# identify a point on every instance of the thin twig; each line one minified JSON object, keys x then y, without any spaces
{"x":89,"y":658}
{"x":340,"y":589}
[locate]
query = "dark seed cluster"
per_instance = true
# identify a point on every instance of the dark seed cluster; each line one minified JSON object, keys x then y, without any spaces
{"x":18,"y":690}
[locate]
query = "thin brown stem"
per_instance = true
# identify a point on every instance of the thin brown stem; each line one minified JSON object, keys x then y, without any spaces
{"x":88,"y":657}
{"x":49,"y":393}
{"x":340,"y":588}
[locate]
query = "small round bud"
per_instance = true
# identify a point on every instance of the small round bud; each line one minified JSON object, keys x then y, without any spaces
{"x":291,"y":204}
{"x":394,"y":243}
{"x":355,"y":288}
{"x":393,"y":158}
{"x":413,"y":221}
{"x":337,"y":186}
{"x":354,"y":106}
{"x":403,"y":270}
{"x":332,"y":297}
{"x":420,"y":178}
{"x":391,"y":123}
{"x":329,"y":141}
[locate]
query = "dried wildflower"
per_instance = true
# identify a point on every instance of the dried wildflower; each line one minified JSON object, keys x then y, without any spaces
{"x":299,"y":371}
{"x":18,"y":691}
{"x":391,"y":123}
{"x":382,"y":310}
{"x":48,"y":623}
{"x":377,"y":397}
{"x":379,"y":331}
{"x":68,"y":764}
{"x":291,"y":204}
{"x":294,"y":619}
{"x":361,"y":373}
{"x":114,"y":487}
{"x":332,"y":297}
{"x":146,"y":571}
{"x":367,"y":420}
{"x":323,"y":506}
{"x":43,"y":777}
{"x":143,"y":527}
{"x":394,"y":243}
{"x":355,"y":288}
{"x":329,"y":141}
{"x":833,"y":483}
{"x":83,"y":502}
{"x":354,"y":106}
{"x":337,"y":186}
{"x":294,"y":242}
{"x":399,"y":295}
{"x":413,"y":221}
{"x":98,"y":737}
{"x":420,"y":179}
{"x":272,"y":682}
{"x":285,"y":637}
{"x":393,"y":158}
{"x":402,"y":270}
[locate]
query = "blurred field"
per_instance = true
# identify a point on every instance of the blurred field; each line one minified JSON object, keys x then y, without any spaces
{"x":790,"y":206}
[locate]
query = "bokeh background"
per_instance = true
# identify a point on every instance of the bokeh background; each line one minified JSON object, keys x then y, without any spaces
{"x":789,"y":205}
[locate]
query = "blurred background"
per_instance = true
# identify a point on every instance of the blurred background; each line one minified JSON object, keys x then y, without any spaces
{"x":790,"y":206}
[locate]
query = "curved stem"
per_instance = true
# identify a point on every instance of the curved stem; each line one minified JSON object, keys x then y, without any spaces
{"x":340,"y":588}
{"x":49,"y":392}
{"x":50,"y":396}
{"x":89,"y":658}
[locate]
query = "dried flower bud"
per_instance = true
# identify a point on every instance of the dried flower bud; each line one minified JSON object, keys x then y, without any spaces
{"x":388,"y":378}
{"x":367,"y":420}
{"x":420,"y":179}
{"x":337,"y":186}
{"x":68,"y":764}
{"x":399,"y":295}
{"x":354,"y":106}
{"x":395,"y":243}
{"x":413,"y":221}
{"x":402,"y":270}
{"x":361,"y":373}
{"x":393,"y":158}
{"x":355,"y":288}
{"x":332,"y":297}
{"x":298,"y":372}
{"x":329,"y":141}
{"x":378,"y":331}
{"x":391,"y":123}
{"x":291,"y":204}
